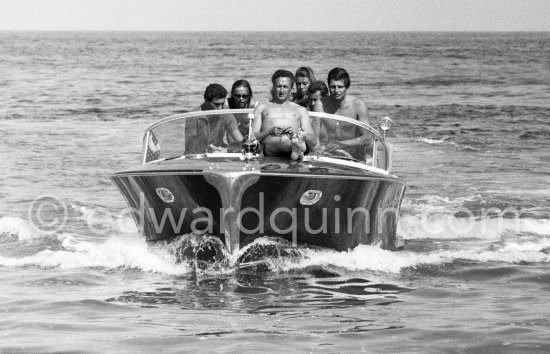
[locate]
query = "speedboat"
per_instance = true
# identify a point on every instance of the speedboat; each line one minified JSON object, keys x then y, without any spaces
{"x":338,"y":196}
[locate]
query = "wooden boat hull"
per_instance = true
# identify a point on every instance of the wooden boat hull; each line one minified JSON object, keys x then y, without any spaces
{"x":311,"y":202}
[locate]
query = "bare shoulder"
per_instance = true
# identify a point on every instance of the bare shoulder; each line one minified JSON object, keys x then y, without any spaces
{"x":293,"y":104}
{"x":259,"y":108}
{"x":303,"y":110}
{"x":299,"y":111}
{"x":358,"y":102}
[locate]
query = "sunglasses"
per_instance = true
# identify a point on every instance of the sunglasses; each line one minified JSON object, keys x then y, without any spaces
{"x":240,"y":96}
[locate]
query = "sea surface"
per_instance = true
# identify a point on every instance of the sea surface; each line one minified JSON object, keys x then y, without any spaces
{"x":472,"y":142}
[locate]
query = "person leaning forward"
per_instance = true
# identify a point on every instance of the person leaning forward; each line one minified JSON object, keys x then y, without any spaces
{"x":206,"y":133}
{"x":283,"y":127}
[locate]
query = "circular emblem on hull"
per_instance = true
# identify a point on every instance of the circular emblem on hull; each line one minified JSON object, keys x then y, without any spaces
{"x":310,"y":197}
{"x":165,"y":195}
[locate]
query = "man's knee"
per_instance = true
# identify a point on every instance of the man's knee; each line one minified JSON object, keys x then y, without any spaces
{"x":285,"y":144}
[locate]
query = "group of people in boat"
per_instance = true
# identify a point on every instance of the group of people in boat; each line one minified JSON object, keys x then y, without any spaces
{"x":283,"y":125}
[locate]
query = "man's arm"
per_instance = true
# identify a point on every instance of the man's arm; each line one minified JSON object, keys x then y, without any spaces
{"x":234,"y":140}
{"x":312,"y":138}
{"x":363,"y":116}
{"x":361,"y":110}
{"x":233,"y":133}
{"x":316,"y":122}
{"x":257,"y":122}
{"x":195,"y":139}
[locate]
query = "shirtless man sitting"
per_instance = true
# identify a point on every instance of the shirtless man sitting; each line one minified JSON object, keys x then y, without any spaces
{"x":282,"y":126}
{"x":340,"y":103}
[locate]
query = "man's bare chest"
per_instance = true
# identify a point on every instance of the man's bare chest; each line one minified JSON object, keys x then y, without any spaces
{"x":280,"y":113}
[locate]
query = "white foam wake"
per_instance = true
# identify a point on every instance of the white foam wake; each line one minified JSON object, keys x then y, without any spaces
{"x":445,"y":226}
{"x":445,"y":218}
{"x":433,"y":141}
{"x":20,"y":228}
{"x":101,"y":221}
{"x":373,"y":258}
{"x":116,"y":252}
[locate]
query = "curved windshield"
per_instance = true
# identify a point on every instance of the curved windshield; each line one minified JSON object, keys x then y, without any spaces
{"x":222,"y":131}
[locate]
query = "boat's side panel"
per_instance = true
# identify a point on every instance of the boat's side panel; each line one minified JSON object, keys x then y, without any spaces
{"x":193,"y":209}
{"x":349,"y":212}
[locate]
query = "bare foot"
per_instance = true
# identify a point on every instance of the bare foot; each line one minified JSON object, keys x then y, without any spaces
{"x":298,"y":148}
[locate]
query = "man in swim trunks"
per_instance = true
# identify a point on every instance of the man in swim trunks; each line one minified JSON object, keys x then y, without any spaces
{"x":343,"y":135}
{"x":283,"y":127}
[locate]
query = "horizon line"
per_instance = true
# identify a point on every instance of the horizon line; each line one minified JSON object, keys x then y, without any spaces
{"x":276,"y":31}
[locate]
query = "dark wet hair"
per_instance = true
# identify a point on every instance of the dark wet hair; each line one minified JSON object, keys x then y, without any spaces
{"x":318,"y":85}
{"x":214,"y":91}
{"x":283,"y":73}
{"x":244,"y":83}
{"x":239,"y":83}
{"x":305,"y":71}
{"x":339,"y":74}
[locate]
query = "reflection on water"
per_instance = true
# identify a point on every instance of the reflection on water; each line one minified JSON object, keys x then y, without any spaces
{"x":267,"y":293}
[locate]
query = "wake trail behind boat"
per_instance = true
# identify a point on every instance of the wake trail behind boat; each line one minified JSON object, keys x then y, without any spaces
{"x":67,"y":251}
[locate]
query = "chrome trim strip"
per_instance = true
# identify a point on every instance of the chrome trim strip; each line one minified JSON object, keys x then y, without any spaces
{"x":309,"y":175}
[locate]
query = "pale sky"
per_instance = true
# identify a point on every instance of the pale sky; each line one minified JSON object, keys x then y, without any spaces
{"x":276,"y":15}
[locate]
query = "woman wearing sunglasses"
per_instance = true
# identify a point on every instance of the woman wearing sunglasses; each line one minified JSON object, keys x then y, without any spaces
{"x":241,"y":97}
